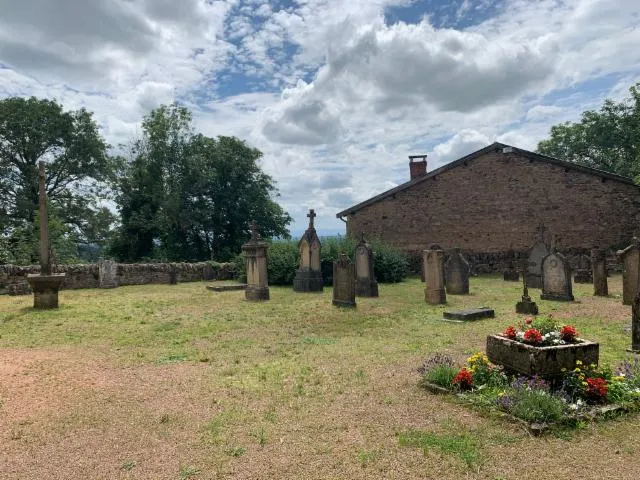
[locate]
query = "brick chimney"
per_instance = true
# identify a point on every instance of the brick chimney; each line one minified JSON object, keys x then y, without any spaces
{"x":417,"y":166}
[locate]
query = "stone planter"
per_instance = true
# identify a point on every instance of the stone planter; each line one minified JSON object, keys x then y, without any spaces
{"x":543,"y":361}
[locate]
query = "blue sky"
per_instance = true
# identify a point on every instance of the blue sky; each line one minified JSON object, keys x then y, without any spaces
{"x":336,"y":94}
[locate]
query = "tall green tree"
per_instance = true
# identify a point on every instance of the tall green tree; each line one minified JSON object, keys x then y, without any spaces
{"x":34,"y":129}
{"x":608,"y":139}
{"x":185,"y":196}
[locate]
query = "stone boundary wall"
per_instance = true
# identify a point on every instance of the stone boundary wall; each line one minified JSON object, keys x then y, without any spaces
{"x":13,"y":278}
{"x":483,"y":263}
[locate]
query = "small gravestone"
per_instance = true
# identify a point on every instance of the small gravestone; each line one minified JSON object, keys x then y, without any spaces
{"x":344,"y":287}
{"x":107,"y":273}
{"x":456,"y":271}
{"x":599,"y":272}
{"x":366,"y":285}
{"x":630,"y":257}
{"x":635,"y":324}
{"x":510,"y":273}
{"x":309,"y":274}
{"x":173,"y":274}
{"x":433,"y":261}
{"x":46,"y":284}
{"x":556,"y":278}
{"x":583,"y":272}
{"x":537,"y":253}
{"x":255,"y":257}
{"x":469,"y":315}
{"x":208,"y":273}
{"x":526,"y":306}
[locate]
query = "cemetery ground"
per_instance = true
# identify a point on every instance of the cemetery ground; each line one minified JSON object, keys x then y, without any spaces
{"x":176,"y":382}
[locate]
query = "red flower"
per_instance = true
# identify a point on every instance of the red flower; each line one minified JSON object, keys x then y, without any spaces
{"x":510,"y":332}
{"x":463,"y":379}
{"x":533,"y":336}
{"x":568,"y":333}
{"x":597,"y":387}
{"x":528,"y":320}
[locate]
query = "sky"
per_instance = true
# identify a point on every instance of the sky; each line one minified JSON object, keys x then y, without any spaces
{"x":336,"y":93}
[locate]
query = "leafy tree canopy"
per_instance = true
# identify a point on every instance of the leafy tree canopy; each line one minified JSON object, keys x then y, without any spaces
{"x":608,"y":139}
{"x":185,"y":196}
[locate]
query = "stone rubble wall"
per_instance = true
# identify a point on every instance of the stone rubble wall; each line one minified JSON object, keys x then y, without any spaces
{"x":13,"y":278}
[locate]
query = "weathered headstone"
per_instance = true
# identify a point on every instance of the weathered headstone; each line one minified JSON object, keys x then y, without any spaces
{"x":599,"y":272}
{"x":344,"y":287}
{"x":107,"y":273}
{"x":366,"y":285}
{"x":511,"y":273}
{"x":173,"y":274}
{"x":583,"y":272}
{"x":635,"y":324}
{"x":537,"y":253}
{"x":456,"y":272}
{"x":630,"y":258}
{"x":309,"y":274}
{"x":556,"y":278}
{"x":469,"y":315}
{"x":433,"y":261}
{"x":255,"y":257}
{"x":433,"y":246}
{"x":46,"y":284}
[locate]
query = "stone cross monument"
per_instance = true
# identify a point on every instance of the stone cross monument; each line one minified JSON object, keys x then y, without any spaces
{"x":366,"y":285}
{"x":433,"y":261}
{"x":309,"y":274}
{"x":46,"y":284}
{"x":525,"y":305}
{"x":255,"y":257}
{"x":344,"y":287}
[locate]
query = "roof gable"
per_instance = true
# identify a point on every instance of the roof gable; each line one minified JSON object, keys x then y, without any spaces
{"x":464,"y":160}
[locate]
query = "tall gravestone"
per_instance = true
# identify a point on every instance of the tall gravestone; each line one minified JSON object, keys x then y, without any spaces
{"x":635,"y":324}
{"x":46,"y":284}
{"x":433,"y":261}
{"x":599,"y":272}
{"x":556,"y":278}
{"x":309,"y":274}
{"x":630,"y":258}
{"x":366,"y":285}
{"x":255,"y":257}
{"x":456,"y":271}
{"x":107,"y":273}
{"x":344,"y":287}
{"x":537,"y":253}
{"x":583,"y":273}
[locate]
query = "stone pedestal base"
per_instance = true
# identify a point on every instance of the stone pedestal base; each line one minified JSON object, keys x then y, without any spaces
{"x":583,"y":277}
{"x":435,"y":296}
{"x":45,"y":289}
{"x":254,"y":293}
{"x":527,"y":307}
{"x":343,"y":303}
{"x":557,"y":298}
{"x":308,"y":281}
{"x":366,"y":288}
{"x":511,"y":276}
{"x":534,"y":281}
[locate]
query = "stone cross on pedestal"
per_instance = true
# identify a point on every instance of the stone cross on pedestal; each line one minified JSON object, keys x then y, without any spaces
{"x":309,"y":273}
{"x":45,"y":285}
{"x":311,"y":215}
{"x":254,"y":231}
{"x":526,"y":306}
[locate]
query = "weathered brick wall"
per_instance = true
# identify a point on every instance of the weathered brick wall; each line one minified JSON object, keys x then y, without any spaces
{"x":13,"y":278}
{"x":494,"y":204}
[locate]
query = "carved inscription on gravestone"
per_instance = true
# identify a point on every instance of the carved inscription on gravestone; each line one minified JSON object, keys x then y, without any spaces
{"x":108,"y":273}
{"x":556,"y":278}
{"x":344,"y":287}
{"x":457,"y":274}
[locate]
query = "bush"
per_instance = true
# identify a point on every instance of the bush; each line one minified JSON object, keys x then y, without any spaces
{"x":441,"y":375}
{"x":282,"y":262}
{"x":390,"y":265}
{"x":537,"y":406}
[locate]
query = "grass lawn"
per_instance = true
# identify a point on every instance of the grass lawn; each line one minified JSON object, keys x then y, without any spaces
{"x":177,"y":382}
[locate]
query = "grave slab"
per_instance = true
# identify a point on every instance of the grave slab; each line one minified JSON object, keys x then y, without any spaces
{"x":469,"y":315}
{"x":227,"y":288}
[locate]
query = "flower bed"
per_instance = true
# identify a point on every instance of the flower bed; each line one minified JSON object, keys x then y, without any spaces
{"x":584,"y":392}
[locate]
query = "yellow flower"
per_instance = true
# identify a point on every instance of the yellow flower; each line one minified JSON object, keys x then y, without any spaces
{"x":593,"y":365}
{"x":578,"y":362}
{"x":585,"y":383}
{"x":576,"y":369}
{"x":563,"y":370}
{"x":619,"y":378}
{"x":581,"y":377}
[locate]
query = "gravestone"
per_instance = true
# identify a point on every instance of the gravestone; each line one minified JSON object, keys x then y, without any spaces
{"x":556,"y":278}
{"x":469,"y":315}
{"x":635,"y":325}
{"x":583,"y":272}
{"x":309,"y":274}
{"x":46,"y":284}
{"x":526,"y":305}
{"x":456,"y":271}
{"x":107,"y":273}
{"x":537,"y":253}
{"x":511,"y":273}
{"x":173,"y":274}
{"x":255,"y":257}
{"x":630,"y":258}
{"x":344,"y":286}
{"x":366,"y":285}
{"x":433,"y":246}
{"x":433,"y":261}
{"x":599,"y":272}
